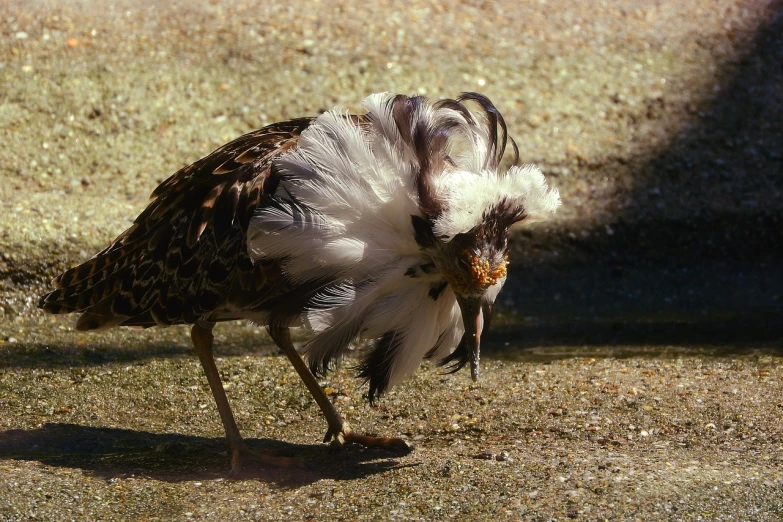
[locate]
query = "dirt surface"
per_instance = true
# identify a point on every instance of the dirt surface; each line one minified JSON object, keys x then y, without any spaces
{"x":634,"y":370}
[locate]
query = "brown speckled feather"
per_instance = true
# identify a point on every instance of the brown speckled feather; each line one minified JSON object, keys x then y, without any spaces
{"x":185,"y":257}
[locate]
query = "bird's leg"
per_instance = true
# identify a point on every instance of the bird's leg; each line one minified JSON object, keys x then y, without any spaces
{"x":339,"y":432}
{"x":201,"y":334}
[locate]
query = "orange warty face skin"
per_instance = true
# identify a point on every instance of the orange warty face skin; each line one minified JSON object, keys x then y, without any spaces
{"x":480,"y":278}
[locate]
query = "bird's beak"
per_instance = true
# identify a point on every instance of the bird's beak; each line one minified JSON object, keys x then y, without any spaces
{"x":472,"y":321}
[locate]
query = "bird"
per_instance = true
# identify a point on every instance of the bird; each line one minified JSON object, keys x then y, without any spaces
{"x":388,"y":228}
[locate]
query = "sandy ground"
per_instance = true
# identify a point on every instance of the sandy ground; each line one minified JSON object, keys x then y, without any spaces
{"x":635,"y":369}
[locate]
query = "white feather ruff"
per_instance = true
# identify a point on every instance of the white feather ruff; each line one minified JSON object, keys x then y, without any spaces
{"x":470,"y":194}
{"x":356,"y":186}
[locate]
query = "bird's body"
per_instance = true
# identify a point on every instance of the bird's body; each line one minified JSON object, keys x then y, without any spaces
{"x":390,"y":226}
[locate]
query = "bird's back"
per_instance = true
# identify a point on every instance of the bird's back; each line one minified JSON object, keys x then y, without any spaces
{"x":185,"y":257}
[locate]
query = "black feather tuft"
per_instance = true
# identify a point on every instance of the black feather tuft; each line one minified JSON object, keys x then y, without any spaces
{"x":496,"y":145}
{"x":428,"y":144}
{"x":422,"y":229}
{"x":457,"y":359}
{"x":457,"y":107}
{"x":431,"y":352}
{"x":376,"y":366}
{"x":436,"y":290}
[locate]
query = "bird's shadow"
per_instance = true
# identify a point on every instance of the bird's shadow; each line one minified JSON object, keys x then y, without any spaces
{"x":121,"y":453}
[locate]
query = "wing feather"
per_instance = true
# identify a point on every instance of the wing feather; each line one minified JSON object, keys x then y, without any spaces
{"x":185,"y":256}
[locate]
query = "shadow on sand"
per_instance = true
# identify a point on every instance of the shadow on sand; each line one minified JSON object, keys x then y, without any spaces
{"x":695,"y":256}
{"x":120,"y":453}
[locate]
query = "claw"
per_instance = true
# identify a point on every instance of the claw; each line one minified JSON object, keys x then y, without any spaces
{"x":347,"y":436}
{"x":337,"y":445}
{"x":337,"y":438}
{"x":392,"y":444}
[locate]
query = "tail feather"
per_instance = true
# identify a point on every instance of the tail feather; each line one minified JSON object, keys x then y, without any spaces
{"x":99,"y":316}
{"x":92,"y":283}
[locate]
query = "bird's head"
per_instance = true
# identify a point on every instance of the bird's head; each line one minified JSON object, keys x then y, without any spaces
{"x":471,"y":267}
{"x":468,"y":241}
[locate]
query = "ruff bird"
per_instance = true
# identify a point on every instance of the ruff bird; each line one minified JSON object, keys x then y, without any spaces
{"x":389,"y":227}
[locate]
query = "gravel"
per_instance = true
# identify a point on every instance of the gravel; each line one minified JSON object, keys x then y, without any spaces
{"x":635,"y":368}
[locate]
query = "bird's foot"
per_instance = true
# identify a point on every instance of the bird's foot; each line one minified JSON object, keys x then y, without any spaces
{"x":345,"y":435}
{"x":241,"y":455}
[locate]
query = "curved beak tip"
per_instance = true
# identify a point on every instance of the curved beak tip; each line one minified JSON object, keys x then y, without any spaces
{"x":472,"y":322}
